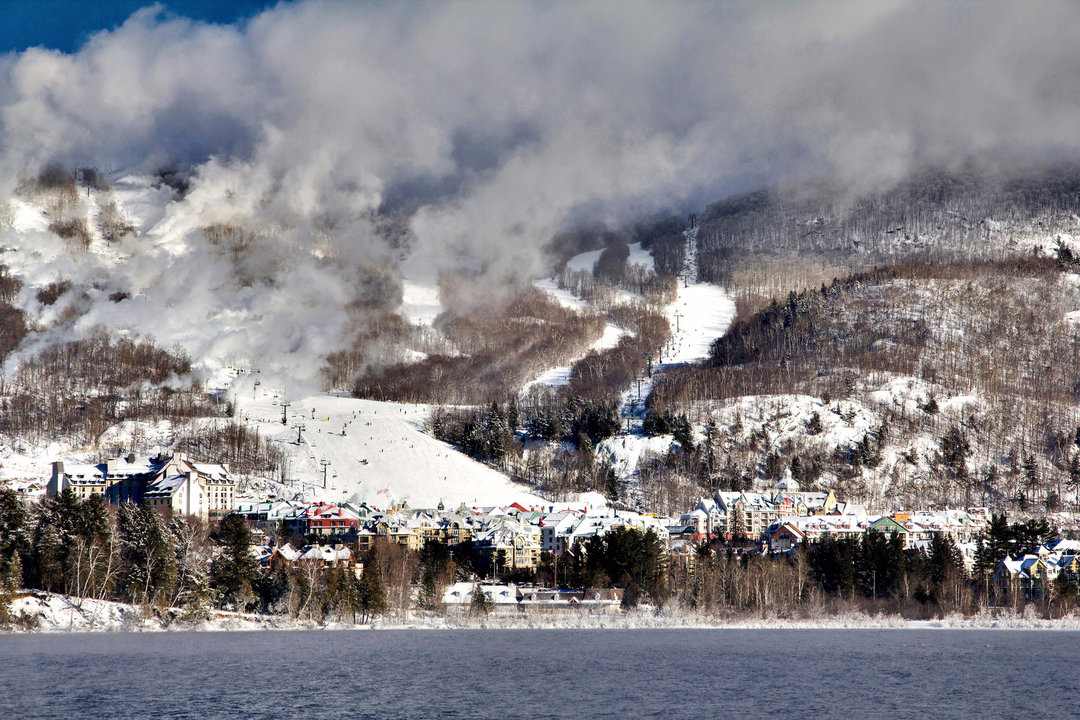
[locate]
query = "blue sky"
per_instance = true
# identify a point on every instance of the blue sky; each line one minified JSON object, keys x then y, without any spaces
{"x":65,"y":24}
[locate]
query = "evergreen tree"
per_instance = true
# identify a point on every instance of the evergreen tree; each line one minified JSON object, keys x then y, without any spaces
{"x":796,"y":470}
{"x":147,"y":559}
{"x":49,"y":557}
{"x":10,"y":579}
{"x":984,"y":566}
{"x":683,"y":433}
{"x":352,"y":593}
{"x":989,"y":483}
{"x":1031,"y":476}
{"x":609,"y":480}
{"x":273,"y":589}
{"x":1000,"y":539}
{"x":434,"y":564}
{"x":234,"y":570}
{"x":945,"y":560}
{"x":1074,"y":477}
{"x":955,"y":450}
{"x":833,"y":564}
{"x":880,"y":564}
{"x":372,"y":591}
{"x":14,"y":530}
{"x":1029,"y":535}
{"x":586,"y":452}
{"x":707,"y":453}
{"x":513,"y":416}
{"x":91,"y":560}
{"x":738,"y":525}
{"x":54,"y":536}
{"x":192,"y":579}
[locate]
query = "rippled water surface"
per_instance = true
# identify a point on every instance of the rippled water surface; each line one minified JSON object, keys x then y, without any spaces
{"x":543,"y":674}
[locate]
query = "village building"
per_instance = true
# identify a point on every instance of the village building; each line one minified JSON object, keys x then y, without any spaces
{"x":85,"y":480}
{"x":515,"y":542}
{"x":171,"y":483}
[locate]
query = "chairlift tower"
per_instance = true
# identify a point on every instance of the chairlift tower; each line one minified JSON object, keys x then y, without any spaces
{"x":690,"y":264}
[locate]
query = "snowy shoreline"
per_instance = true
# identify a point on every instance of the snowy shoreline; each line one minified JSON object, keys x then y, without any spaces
{"x":58,"y":614}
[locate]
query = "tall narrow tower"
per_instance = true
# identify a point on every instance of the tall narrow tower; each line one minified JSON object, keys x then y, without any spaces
{"x":690,"y":265}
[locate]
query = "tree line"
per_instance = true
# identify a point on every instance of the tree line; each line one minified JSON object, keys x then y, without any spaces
{"x":874,"y":573}
{"x":175,"y":568}
{"x":992,"y":329}
{"x":78,"y":389}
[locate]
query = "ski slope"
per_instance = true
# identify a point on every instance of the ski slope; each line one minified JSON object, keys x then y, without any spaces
{"x":586,"y":261}
{"x":377,"y":451}
{"x":641,"y":256}
{"x":560,"y":375}
{"x":700,"y":314}
{"x":565,"y":298}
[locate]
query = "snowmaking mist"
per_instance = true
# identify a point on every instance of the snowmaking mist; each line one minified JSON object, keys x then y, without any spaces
{"x":266,"y":186}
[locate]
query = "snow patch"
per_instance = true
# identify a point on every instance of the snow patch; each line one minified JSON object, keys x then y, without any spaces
{"x":640,"y":256}
{"x":700,"y":314}
{"x":377,"y":452}
{"x":585,"y":262}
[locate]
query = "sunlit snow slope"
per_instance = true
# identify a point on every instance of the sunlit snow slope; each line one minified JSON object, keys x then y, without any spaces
{"x":377,"y":451}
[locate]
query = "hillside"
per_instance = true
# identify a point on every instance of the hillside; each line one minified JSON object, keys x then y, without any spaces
{"x":907,"y":347}
{"x":376,"y":452}
{"x":944,"y":383}
{"x":84,"y":399}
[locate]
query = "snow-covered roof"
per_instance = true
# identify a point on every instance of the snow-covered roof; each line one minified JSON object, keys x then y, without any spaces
{"x":211,"y":470}
{"x":165,"y":486}
{"x":325,"y":553}
{"x":1062,"y":545}
{"x":461,"y":593}
{"x":288,"y":552}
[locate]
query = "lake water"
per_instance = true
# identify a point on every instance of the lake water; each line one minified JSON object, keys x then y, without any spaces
{"x":667,"y":674}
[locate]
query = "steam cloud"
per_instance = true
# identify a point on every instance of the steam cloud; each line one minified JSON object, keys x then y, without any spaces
{"x":486,"y":127}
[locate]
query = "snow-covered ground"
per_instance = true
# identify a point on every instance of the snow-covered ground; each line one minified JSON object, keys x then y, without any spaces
{"x":565,"y":298}
{"x":25,"y":466}
{"x":783,"y":420}
{"x":376,"y":451}
{"x":560,"y":375}
{"x":641,"y":256}
{"x":585,"y":262}
{"x":700,"y":314}
{"x":53,"y":613}
{"x":383,"y":455}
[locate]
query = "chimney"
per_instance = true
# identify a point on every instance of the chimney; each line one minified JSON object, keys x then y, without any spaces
{"x":192,"y":485}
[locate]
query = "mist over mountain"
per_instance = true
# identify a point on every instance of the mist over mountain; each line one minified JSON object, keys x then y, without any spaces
{"x":329,"y":146}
